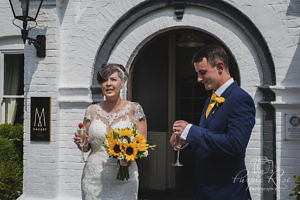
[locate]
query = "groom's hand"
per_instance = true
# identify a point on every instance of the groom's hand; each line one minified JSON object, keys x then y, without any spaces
{"x":173,"y":140}
{"x":179,"y":126}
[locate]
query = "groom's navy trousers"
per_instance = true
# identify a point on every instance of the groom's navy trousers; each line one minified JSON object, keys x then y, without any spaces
{"x":220,"y":143}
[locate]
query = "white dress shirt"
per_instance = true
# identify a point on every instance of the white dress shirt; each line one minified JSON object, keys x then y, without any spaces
{"x":218,"y":92}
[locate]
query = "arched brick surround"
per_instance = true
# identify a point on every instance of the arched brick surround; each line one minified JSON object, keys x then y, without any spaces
{"x":121,"y":35}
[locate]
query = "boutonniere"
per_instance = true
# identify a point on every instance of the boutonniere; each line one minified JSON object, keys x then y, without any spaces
{"x":218,"y":102}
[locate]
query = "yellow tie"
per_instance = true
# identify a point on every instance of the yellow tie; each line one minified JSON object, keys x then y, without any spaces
{"x":210,"y":105}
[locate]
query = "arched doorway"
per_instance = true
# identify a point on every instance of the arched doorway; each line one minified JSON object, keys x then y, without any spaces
{"x":163,"y":80}
{"x":141,"y":24}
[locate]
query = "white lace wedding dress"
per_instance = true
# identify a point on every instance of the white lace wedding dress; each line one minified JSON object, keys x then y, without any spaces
{"x":99,"y":180}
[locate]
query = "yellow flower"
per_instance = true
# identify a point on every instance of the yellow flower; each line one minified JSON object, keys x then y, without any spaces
{"x":115,"y":148}
{"x":130,"y":151}
{"x":143,"y":147}
{"x":141,"y":142}
{"x":140,"y":139}
{"x":126,"y":132}
{"x":220,"y":99}
{"x":110,"y":135}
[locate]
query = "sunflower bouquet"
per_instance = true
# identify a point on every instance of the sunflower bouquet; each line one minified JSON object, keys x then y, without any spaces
{"x":126,"y":145}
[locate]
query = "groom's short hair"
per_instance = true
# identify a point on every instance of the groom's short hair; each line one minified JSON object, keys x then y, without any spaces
{"x":212,"y":53}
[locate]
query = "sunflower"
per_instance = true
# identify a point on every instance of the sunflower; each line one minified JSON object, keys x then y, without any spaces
{"x":115,"y":148}
{"x":126,"y":132}
{"x":130,"y":151}
{"x":141,"y":142}
{"x":140,"y":139}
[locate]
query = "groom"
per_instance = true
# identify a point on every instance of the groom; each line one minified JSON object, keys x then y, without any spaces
{"x":221,"y":138}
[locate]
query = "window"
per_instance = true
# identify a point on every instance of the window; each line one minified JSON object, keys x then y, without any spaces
{"x":11,"y":88}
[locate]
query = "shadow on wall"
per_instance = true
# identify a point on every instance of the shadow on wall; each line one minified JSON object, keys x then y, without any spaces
{"x":62,"y":5}
{"x":294,"y":8}
{"x":293,"y":14}
{"x":31,"y":63}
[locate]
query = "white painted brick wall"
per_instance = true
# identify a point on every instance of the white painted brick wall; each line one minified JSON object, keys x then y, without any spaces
{"x":74,"y":31}
{"x":41,"y":171}
{"x":6,"y":16}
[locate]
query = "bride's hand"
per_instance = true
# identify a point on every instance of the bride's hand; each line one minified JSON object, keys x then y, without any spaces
{"x":77,"y":138}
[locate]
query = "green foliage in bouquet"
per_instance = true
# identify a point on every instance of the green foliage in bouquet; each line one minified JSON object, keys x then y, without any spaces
{"x":296,"y":190}
{"x":11,"y":161}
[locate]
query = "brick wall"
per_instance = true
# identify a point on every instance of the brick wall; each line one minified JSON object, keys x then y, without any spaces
{"x":41,"y":178}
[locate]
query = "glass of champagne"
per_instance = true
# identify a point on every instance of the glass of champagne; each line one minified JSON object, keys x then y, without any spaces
{"x":82,"y":134}
{"x":178,"y":145}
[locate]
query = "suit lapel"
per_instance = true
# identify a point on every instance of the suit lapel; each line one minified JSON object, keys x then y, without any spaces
{"x":203,"y":118}
{"x":225,"y":94}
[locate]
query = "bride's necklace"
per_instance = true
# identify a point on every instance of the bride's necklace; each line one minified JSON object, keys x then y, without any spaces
{"x":110,"y":117}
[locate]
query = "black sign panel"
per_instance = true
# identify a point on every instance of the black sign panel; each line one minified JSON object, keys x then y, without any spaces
{"x":40,"y":120}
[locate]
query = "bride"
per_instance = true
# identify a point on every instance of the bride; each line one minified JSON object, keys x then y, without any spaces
{"x":99,"y":180}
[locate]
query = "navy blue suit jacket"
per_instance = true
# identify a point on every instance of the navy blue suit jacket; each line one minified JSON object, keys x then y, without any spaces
{"x":220,"y":143}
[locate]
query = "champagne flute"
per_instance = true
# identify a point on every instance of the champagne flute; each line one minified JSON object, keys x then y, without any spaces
{"x":82,"y":135}
{"x":178,"y":146}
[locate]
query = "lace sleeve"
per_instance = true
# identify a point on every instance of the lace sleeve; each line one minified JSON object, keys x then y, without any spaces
{"x":87,"y":114}
{"x":138,"y":113}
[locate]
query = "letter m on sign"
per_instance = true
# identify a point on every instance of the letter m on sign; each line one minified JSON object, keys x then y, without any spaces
{"x":39,"y":118}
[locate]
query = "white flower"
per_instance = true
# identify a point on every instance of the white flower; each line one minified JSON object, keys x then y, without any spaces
{"x":121,"y":157}
{"x":123,"y":163}
{"x":131,"y":138}
{"x":120,"y":140}
{"x":146,"y":153}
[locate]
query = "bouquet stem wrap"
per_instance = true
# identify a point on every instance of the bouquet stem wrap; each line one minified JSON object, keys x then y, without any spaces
{"x":123,"y":172}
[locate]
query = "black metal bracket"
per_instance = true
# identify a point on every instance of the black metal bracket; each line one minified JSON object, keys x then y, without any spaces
{"x":179,"y":10}
{"x":40,"y":44}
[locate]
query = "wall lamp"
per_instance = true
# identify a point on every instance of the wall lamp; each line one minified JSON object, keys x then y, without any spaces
{"x":27,"y":11}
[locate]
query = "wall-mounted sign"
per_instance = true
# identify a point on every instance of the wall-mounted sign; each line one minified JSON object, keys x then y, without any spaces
{"x":292,"y":127}
{"x":40,"y":120}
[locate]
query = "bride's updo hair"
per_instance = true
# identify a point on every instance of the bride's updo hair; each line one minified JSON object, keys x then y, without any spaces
{"x":108,"y":69}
